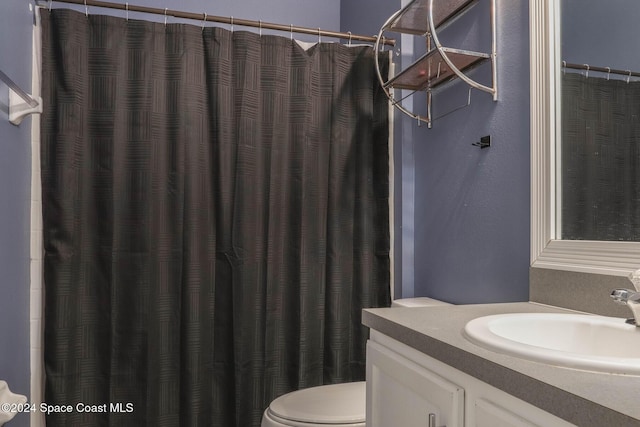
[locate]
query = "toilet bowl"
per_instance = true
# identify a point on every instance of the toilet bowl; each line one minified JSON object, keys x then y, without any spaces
{"x":336,"y":405}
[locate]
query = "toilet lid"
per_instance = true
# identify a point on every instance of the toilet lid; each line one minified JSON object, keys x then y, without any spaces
{"x":328,"y":404}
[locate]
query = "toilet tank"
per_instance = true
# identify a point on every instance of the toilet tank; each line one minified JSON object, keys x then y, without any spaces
{"x":417,"y":302}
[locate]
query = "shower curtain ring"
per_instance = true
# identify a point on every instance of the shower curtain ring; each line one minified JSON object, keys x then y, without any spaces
{"x":127,"y":9}
{"x":86,"y":9}
{"x":204,"y":21}
{"x":564,"y":67}
{"x":608,"y":72}
{"x":50,"y":2}
{"x":587,"y":73}
{"x":165,"y":16}
{"x":629,"y":76}
{"x":319,"y":36}
{"x":349,"y":38}
{"x":231,"y":29}
{"x":291,"y":31}
{"x":260,"y":23}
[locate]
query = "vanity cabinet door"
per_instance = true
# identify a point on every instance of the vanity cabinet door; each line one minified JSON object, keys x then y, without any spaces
{"x":488,"y":414}
{"x":498,"y":409}
{"x":403,"y":393}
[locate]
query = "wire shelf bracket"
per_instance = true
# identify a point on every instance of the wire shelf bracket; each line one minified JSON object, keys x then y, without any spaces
{"x":19,"y":108}
{"x":21,"y":104}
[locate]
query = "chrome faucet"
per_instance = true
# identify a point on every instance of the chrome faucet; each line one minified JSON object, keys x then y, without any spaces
{"x":632,"y":300}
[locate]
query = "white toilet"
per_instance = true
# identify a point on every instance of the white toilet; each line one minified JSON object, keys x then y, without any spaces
{"x":336,"y":405}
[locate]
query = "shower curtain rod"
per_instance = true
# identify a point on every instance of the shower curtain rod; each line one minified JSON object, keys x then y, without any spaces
{"x":607,"y":70}
{"x":222,"y":19}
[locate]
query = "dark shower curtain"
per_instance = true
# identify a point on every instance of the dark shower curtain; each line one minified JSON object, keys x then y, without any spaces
{"x":216,"y":217}
{"x":600,"y":158}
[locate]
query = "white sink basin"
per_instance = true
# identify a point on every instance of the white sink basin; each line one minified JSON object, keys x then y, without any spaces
{"x":595,"y":343}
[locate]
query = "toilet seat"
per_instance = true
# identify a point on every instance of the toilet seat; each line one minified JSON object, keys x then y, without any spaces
{"x":336,"y":405}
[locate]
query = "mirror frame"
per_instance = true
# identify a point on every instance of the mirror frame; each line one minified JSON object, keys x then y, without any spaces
{"x":600,"y":257}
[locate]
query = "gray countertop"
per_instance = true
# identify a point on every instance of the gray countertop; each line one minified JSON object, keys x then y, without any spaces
{"x":581,"y":397}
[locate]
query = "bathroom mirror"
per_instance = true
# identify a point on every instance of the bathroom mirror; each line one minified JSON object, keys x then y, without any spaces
{"x":561,"y":197}
{"x":598,"y":150}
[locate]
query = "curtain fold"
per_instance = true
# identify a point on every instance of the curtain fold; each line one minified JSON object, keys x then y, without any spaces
{"x":215,"y":209}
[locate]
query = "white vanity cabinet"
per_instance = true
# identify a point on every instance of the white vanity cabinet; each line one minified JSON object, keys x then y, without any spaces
{"x":401,"y":392}
{"x":410,"y":389}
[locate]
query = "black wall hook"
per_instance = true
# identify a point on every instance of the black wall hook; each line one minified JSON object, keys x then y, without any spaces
{"x":485,"y":142}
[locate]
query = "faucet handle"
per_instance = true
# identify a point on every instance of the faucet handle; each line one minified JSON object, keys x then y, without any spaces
{"x":626,"y":296}
{"x":620,"y":296}
{"x":632,"y":300}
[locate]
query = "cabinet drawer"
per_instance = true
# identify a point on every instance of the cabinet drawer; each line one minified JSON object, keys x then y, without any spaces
{"x":403,"y":393}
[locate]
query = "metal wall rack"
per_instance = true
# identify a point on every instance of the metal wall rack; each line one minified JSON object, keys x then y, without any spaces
{"x":439,"y":64}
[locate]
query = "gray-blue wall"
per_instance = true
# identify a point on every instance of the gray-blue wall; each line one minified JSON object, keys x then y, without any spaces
{"x":306,"y":13}
{"x":472,"y":239}
{"x":469,"y":208}
{"x":15,"y":178}
{"x":600,"y":33}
